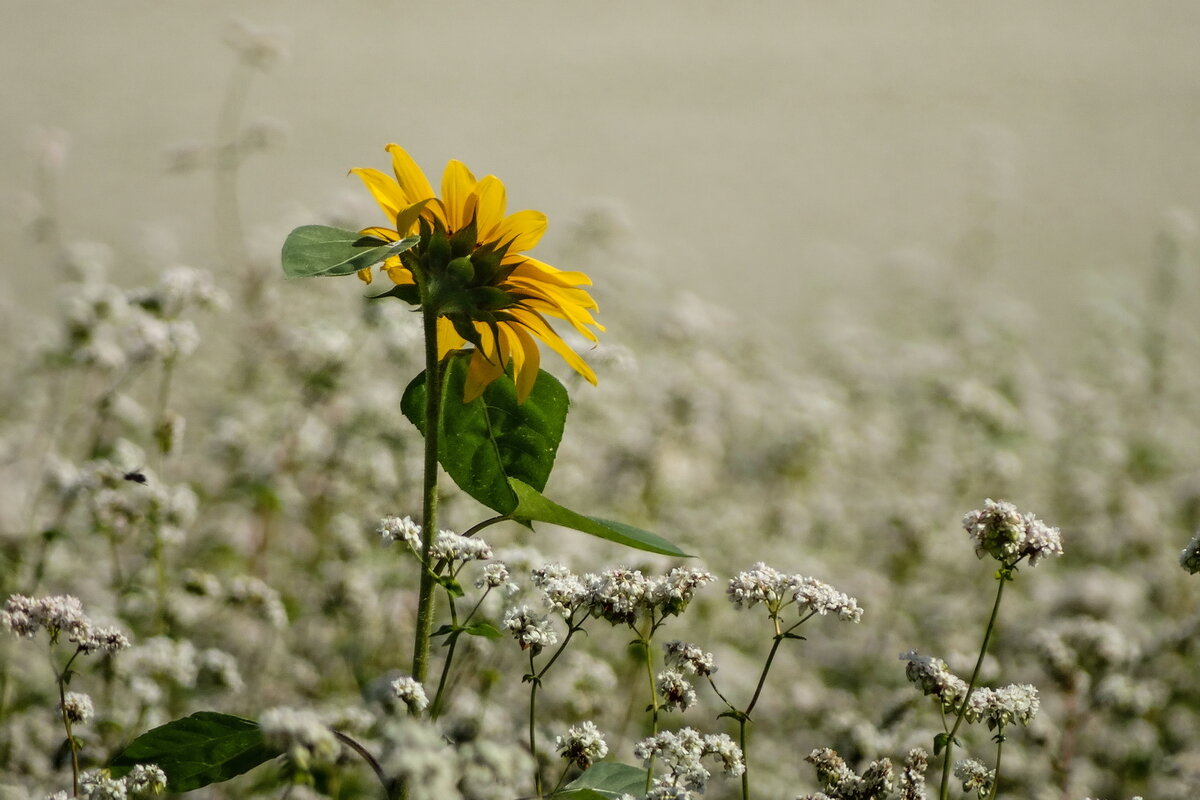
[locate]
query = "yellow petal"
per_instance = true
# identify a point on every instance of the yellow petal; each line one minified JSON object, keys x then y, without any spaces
{"x":400,"y":275}
{"x":458,"y":184}
{"x":365,"y":275}
{"x":406,"y":220}
{"x":535,"y":271}
{"x":492,"y":203}
{"x":410,"y":177}
{"x":523,"y":229}
{"x":485,"y":365}
{"x":448,"y":338}
{"x":542,"y":330}
{"x":387,"y":192}
{"x":526,"y":360}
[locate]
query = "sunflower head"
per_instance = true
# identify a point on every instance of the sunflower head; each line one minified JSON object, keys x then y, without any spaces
{"x":469,"y":270}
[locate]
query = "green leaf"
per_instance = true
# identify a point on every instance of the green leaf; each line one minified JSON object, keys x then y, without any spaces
{"x":531,"y":505}
{"x":492,"y":439}
{"x":198,"y":750}
{"x":313,"y":250}
{"x":606,"y":780}
{"x":484,"y":629}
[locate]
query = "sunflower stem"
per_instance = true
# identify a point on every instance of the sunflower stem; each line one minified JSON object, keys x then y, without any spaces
{"x":433,"y":418}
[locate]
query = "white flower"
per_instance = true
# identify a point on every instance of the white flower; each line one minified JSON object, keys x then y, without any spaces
{"x":411,"y":692}
{"x":77,"y":707}
{"x":583,"y":745}
{"x":397,"y":529}
{"x":531,"y":632}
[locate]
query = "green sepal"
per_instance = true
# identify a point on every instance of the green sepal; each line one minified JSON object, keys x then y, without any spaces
{"x":408,"y":292}
{"x":320,"y":250}
{"x":195,"y":751}
{"x":532,"y":506}
{"x":607,"y":780}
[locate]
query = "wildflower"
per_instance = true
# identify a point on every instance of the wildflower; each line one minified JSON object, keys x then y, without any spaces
{"x":58,"y":614}
{"x":470,"y":269}
{"x":411,"y":692}
{"x":680,"y":753}
{"x":676,"y":692}
{"x":975,"y":776}
{"x":562,"y":590}
{"x":776,"y":590}
{"x":97,"y":785}
{"x":689,"y":657}
{"x":146,"y":779}
{"x":876,"y":782}
{"x":583,"y":745}
{"x":494,"y":576}
{"x":1001,"y":531}
{"x":675,"y":590}
{"x":531,"y":632}
{"x":934,"y":678}
{"x":395,"y":529}
{"x":77,"y":707}
{"x":1189,"y":559}
{"x":618,"y":595}
{"x":451,"y":546}
{"x":912,"y":778}
{"x":1013,"y":703}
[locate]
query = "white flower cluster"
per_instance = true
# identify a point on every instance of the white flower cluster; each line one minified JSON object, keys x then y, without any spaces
{"x":300,"y":733}
{"x":59,"y":614}
{"x":1001,"y":531}
{"x":77,"y":707}
{"x":450,"y":546}
{"x":495,"y":575}
{"x":144,"y":780}
{"x":776,"y":590}
{"x":975,"y":776}
{"x":531,"y":631}
{"x":877,"y":782}
{"x":1189,"y":559}
{"x":1016,"y":702}
{"x":681,"y":754}
{"x":562,"y":590}
{"x":583,"y":745}
{"x":400,"y":529}
{"x":250,"y":591}
{"x":689,"y":657}
{"x":411,"y":692}
{"x":935,"y":678}
{"x":676,"y":692}
{"x":619,"y":595}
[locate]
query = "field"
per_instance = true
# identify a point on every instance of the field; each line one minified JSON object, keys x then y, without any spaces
{"x":207,"y":457}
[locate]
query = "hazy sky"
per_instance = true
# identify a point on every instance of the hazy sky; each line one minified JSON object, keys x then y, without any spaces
{"x":765,"y":153}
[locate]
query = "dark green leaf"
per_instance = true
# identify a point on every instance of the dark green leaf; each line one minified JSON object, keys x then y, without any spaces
{"x":443,"y":630}
{"x":939,"y":743}
{"x":493,"y":438}
{"x":531,"y":505}
{"x":606,"y":780}
{"x":313,"y":250}
{"x":198,"y":750}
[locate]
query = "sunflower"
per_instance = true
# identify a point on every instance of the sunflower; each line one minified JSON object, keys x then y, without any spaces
{"x":470,"y":269}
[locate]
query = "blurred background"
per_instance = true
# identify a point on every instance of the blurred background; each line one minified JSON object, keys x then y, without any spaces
{"x":771,"y":156}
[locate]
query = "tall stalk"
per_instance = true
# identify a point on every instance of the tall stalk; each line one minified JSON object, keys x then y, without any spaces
{"x":1004,"y":576}
{"x":429,"y":507}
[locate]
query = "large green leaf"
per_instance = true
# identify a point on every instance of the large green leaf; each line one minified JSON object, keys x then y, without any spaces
{"x":485,"y":443}
{"x":198,"y":750}
{"x":532,"y":506}
{"x":313,"y":250}
{"x":606,"y":780}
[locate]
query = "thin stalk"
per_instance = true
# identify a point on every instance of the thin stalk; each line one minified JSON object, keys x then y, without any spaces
{"x":653,"y":696}
{"x":745,"y":770}
{"x":944,"y":793}
{"x":62,"y":705}
{"x":433,"y":415}
{"x":436,"y":708}
{"x":999,"y":751}
{"x":366,"y":756}
{"x":534,"y":682}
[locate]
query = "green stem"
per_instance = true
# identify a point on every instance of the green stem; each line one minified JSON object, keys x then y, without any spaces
{"x":944,"y":793}
{"x":62,"y":705}
{"x":999,"y":751}
{"x":742,"y":744}
{"x":433,"y":415}
{"x":366,"y":756}
{"x":645,"y":641}
{"x":436,"y":708}
{"x":534,"y":682}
